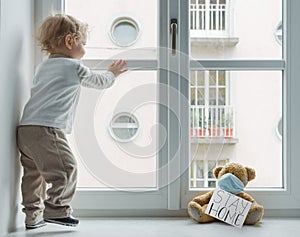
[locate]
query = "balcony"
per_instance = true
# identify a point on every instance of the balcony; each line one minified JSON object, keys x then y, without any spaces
{"x":212,"y":124}
{"x":211,"y":22}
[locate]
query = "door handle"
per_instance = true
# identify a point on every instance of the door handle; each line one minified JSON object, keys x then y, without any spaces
{"x":173,"y":28}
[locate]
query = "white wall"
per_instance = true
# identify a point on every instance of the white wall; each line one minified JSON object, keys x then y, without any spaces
{"x":16,"y":71}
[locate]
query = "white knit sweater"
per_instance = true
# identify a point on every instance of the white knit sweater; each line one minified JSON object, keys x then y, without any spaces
{"x":56,"y":89}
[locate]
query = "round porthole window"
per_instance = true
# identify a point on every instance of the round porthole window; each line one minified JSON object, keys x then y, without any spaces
{"x":278,"y":33}
{"x":279,"y":128}
{"x":124,"y":127}
{"x":124,"y":31}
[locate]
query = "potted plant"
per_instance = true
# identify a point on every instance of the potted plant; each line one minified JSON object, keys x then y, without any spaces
{"x":229,"y":126}
{"x":193,"y":123}
{"x":197,"y":124}
{"x":226,"y":125}
{"x":214,"y":128}
{"x":201,"y":126}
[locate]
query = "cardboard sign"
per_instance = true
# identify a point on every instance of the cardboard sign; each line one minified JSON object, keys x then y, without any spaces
{"x":228,"y":207}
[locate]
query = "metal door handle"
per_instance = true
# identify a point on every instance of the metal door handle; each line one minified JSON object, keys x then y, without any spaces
{"x":173,"y":27}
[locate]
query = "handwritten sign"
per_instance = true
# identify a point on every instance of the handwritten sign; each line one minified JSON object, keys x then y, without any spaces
{"x":228,"y":207}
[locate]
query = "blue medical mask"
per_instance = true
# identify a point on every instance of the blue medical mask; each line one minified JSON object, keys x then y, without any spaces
{"x":231,"y":183}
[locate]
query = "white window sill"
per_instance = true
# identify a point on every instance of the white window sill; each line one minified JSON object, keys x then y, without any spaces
{"x":214,"y":40}
{"x":214,"y":140}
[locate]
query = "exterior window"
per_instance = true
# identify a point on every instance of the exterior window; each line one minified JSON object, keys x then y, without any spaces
{"x":201,"y":173}
{"x":209,"y":88}
{"x":209,"y":16}
{"x":124,"y":127}
{"x":279,"y":129}
{"x":211,"y":114}
{"x":278,"y":33}
{"x":124,"y":31}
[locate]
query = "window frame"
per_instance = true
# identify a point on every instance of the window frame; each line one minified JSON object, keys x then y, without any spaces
{"x":93,"y":201}
{"x":283,"y":201}
{"x":278,"y":201}
{"x":120,"y":20}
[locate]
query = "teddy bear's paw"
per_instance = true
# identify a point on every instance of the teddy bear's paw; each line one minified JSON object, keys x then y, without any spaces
{"x":254,"y":216}
{"x":197,"y":213}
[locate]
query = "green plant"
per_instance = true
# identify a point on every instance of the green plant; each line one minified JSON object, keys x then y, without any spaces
{"x":202,"y":121}
{"x":197,"y":119}
{"x":226,"y":121}
{"x":193,"y":120}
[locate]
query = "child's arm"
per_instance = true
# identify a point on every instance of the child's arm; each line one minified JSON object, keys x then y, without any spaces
{"x":100,"y":81}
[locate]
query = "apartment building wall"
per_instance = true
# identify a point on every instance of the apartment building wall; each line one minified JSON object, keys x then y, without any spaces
{"x":256,"y":96}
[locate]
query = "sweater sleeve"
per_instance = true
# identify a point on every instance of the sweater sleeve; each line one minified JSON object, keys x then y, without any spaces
{"x":95,"y":80}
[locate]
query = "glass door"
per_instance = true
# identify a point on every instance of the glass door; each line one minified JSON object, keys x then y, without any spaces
{"x":206,"y":86}
{"x":116,"y":130}
{"x":122,"y":135}
{"x":119,"y":137}
{"x":236,"y":93}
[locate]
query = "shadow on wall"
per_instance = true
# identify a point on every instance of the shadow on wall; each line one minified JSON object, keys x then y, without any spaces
{"x":16,"y":28}
{"x":12,"y":79}
{"x":14,"y":112}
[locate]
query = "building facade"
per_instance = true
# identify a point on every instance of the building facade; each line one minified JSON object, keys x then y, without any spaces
{"x":234,"y":115}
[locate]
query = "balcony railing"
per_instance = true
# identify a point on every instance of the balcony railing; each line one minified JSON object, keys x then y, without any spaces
{"x":212,"y":121}
{"x":211,"y":19}
{"x":208,"y":17}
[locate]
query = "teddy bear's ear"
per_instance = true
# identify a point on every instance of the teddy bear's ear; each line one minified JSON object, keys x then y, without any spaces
{"x":217,"y":171}
{"x":251,"y":173}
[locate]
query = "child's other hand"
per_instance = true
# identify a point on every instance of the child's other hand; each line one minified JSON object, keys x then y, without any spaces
{"x":118,"y":67}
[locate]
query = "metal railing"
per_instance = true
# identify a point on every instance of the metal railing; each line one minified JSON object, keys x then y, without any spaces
{"x":209,"y":18}
{"x":212,"y":121}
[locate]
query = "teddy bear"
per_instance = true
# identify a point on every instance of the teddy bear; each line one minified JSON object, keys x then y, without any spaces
{"x":232,"y":177}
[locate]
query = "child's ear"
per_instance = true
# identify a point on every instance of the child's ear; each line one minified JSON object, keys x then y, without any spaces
{"x":69,"y":41}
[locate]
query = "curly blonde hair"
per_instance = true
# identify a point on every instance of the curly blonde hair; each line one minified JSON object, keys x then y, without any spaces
{"x":53,"y":30}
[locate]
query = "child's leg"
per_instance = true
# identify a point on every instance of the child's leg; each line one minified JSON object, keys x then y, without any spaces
{"x":57,"y":165}
{"x":61,"y":172}
{"x":32,"y":189}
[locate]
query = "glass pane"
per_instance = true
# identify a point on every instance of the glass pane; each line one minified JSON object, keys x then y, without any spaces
{"x":212,"y":184}
{"x":212,"y":96}
{"x":221,"y":78}
{"x":125,"y":32}
{"x":193,"y":76}
{"x":246,"y":129}
{"x":124,"y":119}
{"x":118,"y":26}
{"x":125,"y":157}
{"x":110,"y":155}
{"x":211,"y":166}
{"x":231,"y":30}
{"x":212,"y":78}
{"x":201,"y":96}
{"x":221,"y":96}
{"x":200,"y":171}
{"x":193,"y":96}
{"x":200,"y":78}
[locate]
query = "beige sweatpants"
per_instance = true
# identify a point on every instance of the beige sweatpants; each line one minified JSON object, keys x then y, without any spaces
{"x":46,"y":157}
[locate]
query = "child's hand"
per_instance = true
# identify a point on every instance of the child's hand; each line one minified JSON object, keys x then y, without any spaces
{"x":117,"y":67}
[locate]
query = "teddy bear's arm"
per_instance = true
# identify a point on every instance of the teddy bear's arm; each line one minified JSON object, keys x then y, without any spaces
{"x":204,"y":198}
{"x":246,"y":196}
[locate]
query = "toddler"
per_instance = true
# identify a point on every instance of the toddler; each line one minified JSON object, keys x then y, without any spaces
{"x":45,"y":154}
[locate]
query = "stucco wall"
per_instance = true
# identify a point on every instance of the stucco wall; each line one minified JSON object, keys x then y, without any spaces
{"x":16,"y":71}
